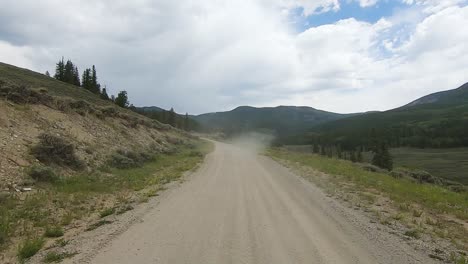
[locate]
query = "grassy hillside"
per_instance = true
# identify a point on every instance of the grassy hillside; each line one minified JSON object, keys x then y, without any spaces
{"x":282,"y":120}
{"x":28,"y":78}
{"x":423,"y":212}
{"x":69,"y":159}
{"x":438,"y":120}
{"x":450,"y":164}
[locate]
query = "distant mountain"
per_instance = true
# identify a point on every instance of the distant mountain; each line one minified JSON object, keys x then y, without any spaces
{"x":459,"y":95}
{"x":435,"y":120}
{"x":170,"y":117}
{"x":151,"y":109}
{"x":283,"y":120}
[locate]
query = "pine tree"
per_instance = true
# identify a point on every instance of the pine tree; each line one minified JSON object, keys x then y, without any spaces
{"x":186,"y":122}
{"x":76,"y":77}
{"x":104,"y":94}
{"x":86,"y":80}
{"x":338,"y":152}
{"x":322,"y":150}
{"x":382,"y":157}
{"x":47,"y":74}
{"x":353,"y":156}
{"x":359,"y":156}
{"x":316,"y":149}
{"x":330,"y":152}
{"x":95,"y":86}
{"x":122,"y":99}
{"x":69,"y":73}
{"x":60,"y":70}
{"x":172,"y":117}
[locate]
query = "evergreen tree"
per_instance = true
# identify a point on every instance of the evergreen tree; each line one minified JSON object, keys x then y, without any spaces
{"x":122,"y":99}
{"x":69,"y":74}
{"x":76,"y":77}
{"x":338,"y":152}
{"x":329,"y":152}
{"x":86,"y":80}
{"x":382,"y":157}
{"x":104,"y":94}
{"x":60,"y":70}
{"x":186,"y":122}
{"x":47,"y":74}
{"x":322,"y":150}
{"x":353,"y":156}
{"x":316,"y":149}
{"x":359,"y":156}
{"x":172,"y":118}
{"x":95,"y":86}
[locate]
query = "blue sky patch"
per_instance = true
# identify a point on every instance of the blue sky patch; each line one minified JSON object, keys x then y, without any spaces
{"x":349,"y":9}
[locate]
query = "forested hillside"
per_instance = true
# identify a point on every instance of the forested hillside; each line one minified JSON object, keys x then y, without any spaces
{"x":437,"y":120}
{"x":281,"y":120}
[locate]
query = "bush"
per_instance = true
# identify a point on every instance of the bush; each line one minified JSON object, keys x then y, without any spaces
{"x":4,"y":228}
{"x":196,"y":153}
{"x":414,"y":233}
{"x":119,"y":161}
{"x":125,"y":159}
{"x":23,"y":95}
{"x":110,"y":111}
{"x":416,"y":175}
{"x":107,"y":212}
{"x":55,"y":231}
{"x":29,"y":248}
{"x":42,"y":174}
{"x":52,"y":149}
{"x":51,"y":257}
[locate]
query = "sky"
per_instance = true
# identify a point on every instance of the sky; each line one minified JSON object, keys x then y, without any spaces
{"x":201,"y":56}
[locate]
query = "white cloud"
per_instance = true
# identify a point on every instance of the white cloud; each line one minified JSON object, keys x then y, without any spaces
{"x":18,"y":56}
{"x":206,"y":55}
{"x":367,"y":3}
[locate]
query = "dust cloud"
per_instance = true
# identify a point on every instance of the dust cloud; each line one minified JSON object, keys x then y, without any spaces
{"x":253,"y":141}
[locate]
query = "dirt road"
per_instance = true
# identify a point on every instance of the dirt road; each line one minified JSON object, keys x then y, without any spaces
{"x":243,"y":208}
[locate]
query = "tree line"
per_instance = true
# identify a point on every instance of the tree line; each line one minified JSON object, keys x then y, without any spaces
{"x":169,"y":117}
{"x":378,"y":147}
{"x":68,"y":72}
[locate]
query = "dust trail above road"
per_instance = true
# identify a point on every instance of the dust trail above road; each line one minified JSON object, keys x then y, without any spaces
{"x":243,"y":208}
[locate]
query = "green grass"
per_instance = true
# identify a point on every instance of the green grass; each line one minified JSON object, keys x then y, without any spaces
{"x":450,"y":164}
{"x":432,"y":197}
{"x":107,"y":212}
{"x":55,"y":231}
{"x":52,"y":257}
{"x":29,"y":248}
{"x":81,"y":195}
{"x":30,"y":78}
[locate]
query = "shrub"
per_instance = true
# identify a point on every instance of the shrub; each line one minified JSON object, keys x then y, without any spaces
{"x":29,"y":248}
{"x":53,"y":149}
{"x":196,"y":153}
{"x":55,"y":231}
{"x":119,"y":161}
{"x":42,"y":174}
{"x":110,"y":111}
{"x":413,"y":233}
{"x":23,"y":95}
{"x":4,"y":229}
{"x":51,"y":257}
{"x":125,"y":159}
{"x":107,"y":212}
